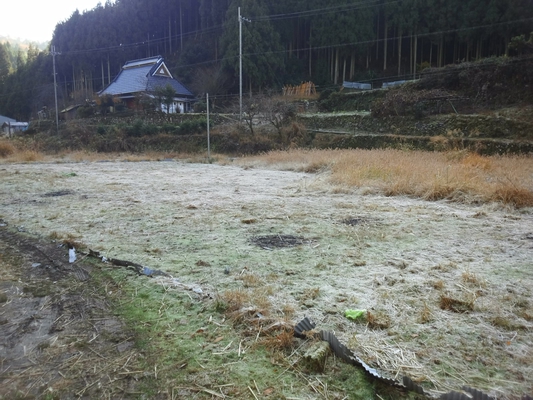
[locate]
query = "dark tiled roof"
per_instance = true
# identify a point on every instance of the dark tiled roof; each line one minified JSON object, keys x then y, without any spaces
{"x":155,"y":81}
{"x":137,"y":76}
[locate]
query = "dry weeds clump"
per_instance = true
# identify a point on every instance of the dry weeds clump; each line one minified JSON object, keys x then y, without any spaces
{"x":299,"y":160}
{"x":458,"y":176}
{"x":9,"y":153}
{"x":6,"y":149}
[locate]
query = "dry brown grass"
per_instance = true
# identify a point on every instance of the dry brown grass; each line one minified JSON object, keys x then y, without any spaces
{"x":473,"y":279}
{"x":457,"y":305}
{"x":378,"y":319}
{"x":425,"y":315}
{"x":6,"y":148}
{"x":458,"y":176}
{"x":251,"y":280}
{"x":281,"y":340}
{"x":9,"y":153}
{"x":234,"y":300}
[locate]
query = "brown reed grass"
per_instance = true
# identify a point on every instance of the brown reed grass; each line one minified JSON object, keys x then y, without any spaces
{"x":458,"y":176}
{"x":6,"y":148}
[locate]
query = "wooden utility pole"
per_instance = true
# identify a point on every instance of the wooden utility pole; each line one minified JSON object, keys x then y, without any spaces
{"x":208,"y":141}
{"x":54,"y":53}
{"x":240,"y":61}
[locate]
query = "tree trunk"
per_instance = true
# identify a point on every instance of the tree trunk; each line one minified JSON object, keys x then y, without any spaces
{"x":344,"y":70}
{"x":377,"y":38}
{"x":64,"y":95}
{"x":332,"y":64}
{"x":169,"y":36}
{"x":337,"y":66}
{"x":507,"y":40}
{"x":441,"y":52}
{"x":352,"y":65}
{"x":399,"y":51}
{"x":411,"y":40}
{"x":414,"y":60}
{"x":103,"y":76}
{"x":310,"y":51}
{"x":108,"y":71}
{"x":181,"y":30}
{"x":385,"y":35}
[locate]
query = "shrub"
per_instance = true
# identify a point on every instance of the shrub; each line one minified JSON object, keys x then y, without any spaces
{"x":140,"y":128}
{"x":190,"y":127}
{"x":169,"y":128}
{"x":85,"y":111}
{"x":101,"y":130}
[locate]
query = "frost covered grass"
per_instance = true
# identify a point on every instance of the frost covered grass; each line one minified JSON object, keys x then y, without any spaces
{"x":433,"y":275}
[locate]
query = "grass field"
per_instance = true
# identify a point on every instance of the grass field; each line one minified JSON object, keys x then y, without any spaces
{"x":436,"y":247}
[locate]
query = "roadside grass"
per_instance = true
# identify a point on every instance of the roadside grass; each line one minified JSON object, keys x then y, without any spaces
{"x":200,"y":347}
{"x":459,"y":176}
{"x":22,"y":152}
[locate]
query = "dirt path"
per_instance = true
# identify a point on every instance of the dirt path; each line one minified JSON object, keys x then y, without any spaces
{"x":448,"y":286}
{"x":58,"y":335}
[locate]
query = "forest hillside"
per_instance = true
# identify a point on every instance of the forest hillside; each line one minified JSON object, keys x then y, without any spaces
{"x":282,"y":43}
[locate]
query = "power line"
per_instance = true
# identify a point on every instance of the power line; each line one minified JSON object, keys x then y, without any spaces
{"x":325,"y":10}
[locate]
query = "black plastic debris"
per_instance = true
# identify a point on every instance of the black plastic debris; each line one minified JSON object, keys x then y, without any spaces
{"x":471,"y":394}
{"x":138,"y":268}
{"x":270,"y":242}
{"x":412,"y":386}
{"x":59,"y":193}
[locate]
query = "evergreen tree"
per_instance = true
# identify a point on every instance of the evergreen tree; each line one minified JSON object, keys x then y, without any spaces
{"x":5,"y":63}
{"x":262,"y":60}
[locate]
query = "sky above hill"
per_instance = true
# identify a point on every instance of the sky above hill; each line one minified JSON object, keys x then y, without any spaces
{"x":35,"y":20}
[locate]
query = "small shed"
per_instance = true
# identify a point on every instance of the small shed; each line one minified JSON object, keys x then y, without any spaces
{"x":6,"y":119}
{"x":70,"y":112}
{"x":10,"y":126}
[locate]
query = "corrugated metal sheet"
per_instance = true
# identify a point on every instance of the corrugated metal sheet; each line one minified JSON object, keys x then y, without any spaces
{"x":357,"y":85}
{"x":392,"y":84}
{"x":306,"y":328}
{"x":142,"y":62}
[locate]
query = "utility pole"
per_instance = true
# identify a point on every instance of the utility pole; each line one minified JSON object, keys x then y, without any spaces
{"x":54,"y":53}
{"x":208,"y":141}
{"x":240,"y":61}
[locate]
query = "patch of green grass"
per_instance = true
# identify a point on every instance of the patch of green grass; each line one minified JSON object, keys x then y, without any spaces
{"x":192,"y":350}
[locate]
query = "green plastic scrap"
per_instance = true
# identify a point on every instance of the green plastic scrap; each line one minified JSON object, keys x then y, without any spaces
{"x":354,"y":314}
